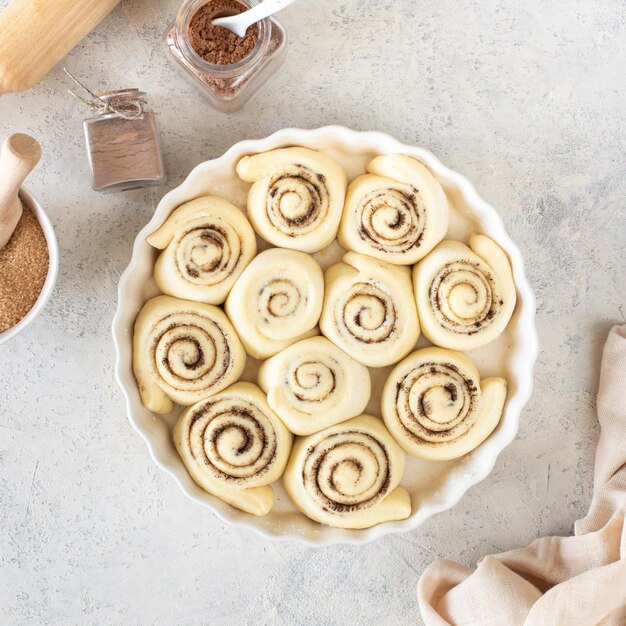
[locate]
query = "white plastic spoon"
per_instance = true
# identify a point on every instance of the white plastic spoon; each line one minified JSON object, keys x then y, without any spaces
{"x":240,"y":23}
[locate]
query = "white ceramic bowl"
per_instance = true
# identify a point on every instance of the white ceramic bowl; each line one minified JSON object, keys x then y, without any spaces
{"x":433,"y":486}
{"x":53,"y":267}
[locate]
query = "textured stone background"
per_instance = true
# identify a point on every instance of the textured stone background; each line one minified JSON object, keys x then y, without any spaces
{"x":526,"y":99}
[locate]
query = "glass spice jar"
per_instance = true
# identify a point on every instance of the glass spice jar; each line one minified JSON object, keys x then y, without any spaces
{"x":123,"y":152}
{"x":228,"y":86}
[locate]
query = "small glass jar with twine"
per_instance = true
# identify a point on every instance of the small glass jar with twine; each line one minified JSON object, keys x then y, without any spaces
{"x":122,"y":142}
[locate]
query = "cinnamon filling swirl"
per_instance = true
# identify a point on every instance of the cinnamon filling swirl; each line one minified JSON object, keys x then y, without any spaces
{"x":297,"y":200}
{"x":464,"y":297}
{"x":347,"y":472}
{"x":208,"y":254}
{"x":436,"y":406}
{"x":206,"y":244}
{"x":297,"y":197}
{"x":279,"y":298}
{"x":312,"y":381}
{"x":392,"y":219}
{"x":276,"y":301}
{"x":233,"y":440}
{"x":435,"y":402}
{"x":367,"y":313}
{"x":313,"y":384}
{"x":189,"y":356}
{"x":369,"y":310}
{"x":465,"y":294}
{"x":183,"y":351}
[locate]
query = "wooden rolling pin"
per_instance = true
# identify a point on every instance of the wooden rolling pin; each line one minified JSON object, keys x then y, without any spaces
{"x":36,"y":34}
{"x":19,"y":155}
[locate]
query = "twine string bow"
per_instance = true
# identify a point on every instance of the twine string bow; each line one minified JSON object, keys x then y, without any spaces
{"x":125,"y":107}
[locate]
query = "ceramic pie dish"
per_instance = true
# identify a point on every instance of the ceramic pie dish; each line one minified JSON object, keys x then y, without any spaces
{"x":434,"y":486}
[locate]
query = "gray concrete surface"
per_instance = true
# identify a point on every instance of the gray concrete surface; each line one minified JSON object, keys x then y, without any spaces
{"x":526,"y":99}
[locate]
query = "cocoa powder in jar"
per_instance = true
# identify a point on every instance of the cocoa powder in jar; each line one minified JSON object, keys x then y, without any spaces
{"x":218,"y":45}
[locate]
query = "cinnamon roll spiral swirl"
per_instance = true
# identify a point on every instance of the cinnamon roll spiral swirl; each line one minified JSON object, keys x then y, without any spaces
{"x":206,"y":245}
{"x":233,"y":446}
{"x":347,"y":475}
{"x":465,"y":295}
{"x":313,"y":384}
{"x":276,"y":301}
{"x":437,"y":408}
{"x":297,"y":197}
{"x":397,"y":213}
{"x":183,"y":351}
{"x":369,"y":311}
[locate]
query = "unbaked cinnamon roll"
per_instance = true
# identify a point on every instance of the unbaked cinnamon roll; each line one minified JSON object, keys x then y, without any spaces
{"x":297,"y":197}
{"x":437,"y":408}
{"x":206,"y":245}
{"x":465,"y":295}
{"x":183,"y":351}
{"x":233,"y":446}
{"x":313,"y":384}
{"x":397,"y":213}
{"x":369,"y":310}
{"x":276,"y":301}
{"x":348,"y":475}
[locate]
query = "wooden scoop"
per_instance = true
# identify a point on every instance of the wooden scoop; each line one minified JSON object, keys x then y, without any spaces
{"x":19,"y":155}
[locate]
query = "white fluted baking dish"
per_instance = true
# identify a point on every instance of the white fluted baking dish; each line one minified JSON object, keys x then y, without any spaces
{"x":434,"y":486}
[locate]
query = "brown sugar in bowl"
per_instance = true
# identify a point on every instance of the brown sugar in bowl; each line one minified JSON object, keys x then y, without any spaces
{"x":32,"y":208}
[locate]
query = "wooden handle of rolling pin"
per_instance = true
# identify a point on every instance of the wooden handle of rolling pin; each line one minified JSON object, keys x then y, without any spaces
{"x":36,"y":34}
{"x":18,"y":157}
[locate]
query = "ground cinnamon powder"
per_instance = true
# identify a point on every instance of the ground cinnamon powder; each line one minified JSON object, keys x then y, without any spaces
{"x":23,"y":269}
{"x":216,"y":44}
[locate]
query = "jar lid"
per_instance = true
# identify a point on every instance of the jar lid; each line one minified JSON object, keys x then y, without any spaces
{"x":125,"y":103}
{"x":130,"y":93}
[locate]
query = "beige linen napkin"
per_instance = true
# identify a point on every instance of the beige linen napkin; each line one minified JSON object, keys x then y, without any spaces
{"x":569,"y":581}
